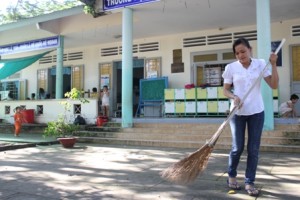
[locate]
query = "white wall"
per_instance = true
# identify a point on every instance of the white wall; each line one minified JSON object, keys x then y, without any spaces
{"x":51,"y":110}
{"x":168,"y":43}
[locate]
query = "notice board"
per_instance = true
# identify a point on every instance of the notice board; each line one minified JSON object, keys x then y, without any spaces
{"x":153,"y":89}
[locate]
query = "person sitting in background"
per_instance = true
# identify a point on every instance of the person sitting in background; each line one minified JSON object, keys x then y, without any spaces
{"x":94,"y":93}
{"x":48,"y":96}
{"x":42,"y":93}
{"x":10,"y":96}
{"x":287,"y":109}
{"x":32,"y":96}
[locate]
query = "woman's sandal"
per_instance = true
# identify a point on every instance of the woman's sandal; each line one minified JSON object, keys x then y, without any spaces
{"x":251,"y":190}
{"x":233,"y":185}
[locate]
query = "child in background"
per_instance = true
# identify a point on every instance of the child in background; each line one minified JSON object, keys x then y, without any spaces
{"x":105,"y":101}
{"x":19,"y":119}
{"x":287,"y":109}
{"x":94,"y":93}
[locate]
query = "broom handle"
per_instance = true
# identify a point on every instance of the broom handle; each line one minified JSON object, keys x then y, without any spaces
{"x":215,"y":137}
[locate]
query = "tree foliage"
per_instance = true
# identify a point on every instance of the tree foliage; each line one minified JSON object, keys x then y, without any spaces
{"x":24,"y":9}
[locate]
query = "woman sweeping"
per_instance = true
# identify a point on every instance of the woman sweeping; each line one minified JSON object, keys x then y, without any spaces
{"x":238,"y":78}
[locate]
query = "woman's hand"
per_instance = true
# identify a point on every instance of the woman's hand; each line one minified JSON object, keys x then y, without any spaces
{"x":237,"y":101}
{"x":273,"y":59}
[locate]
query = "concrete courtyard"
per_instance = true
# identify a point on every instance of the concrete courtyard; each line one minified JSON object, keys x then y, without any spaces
{"x":124,"y":172}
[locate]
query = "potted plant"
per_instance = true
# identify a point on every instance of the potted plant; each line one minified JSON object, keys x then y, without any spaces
{"x":61,"y":128}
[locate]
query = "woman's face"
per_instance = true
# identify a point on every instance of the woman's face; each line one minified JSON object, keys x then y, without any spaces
{"x":294,"y":101}
{"x":243,"y":54}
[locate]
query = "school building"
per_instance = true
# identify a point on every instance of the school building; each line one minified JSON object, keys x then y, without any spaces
{"x":184,"y":42}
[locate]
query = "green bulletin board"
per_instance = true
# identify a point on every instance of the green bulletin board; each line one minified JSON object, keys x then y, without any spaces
{"x":153,"y":89}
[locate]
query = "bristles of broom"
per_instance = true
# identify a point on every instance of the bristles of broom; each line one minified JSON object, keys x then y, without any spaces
{"x":186,"y":170}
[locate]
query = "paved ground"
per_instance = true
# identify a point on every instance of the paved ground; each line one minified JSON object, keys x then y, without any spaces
{"x":103,"y":172}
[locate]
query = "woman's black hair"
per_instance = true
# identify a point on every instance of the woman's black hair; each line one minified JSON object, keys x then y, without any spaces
{"x":294,"y":96}
{"x":239,"y":41}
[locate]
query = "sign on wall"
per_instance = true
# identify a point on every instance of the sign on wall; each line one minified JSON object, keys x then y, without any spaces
{"x":274,"y":46}
{"x":45,"y":43}
{"x":114,"y":4}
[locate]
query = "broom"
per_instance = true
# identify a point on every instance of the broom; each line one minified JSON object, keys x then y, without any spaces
{"x":186,"y":170}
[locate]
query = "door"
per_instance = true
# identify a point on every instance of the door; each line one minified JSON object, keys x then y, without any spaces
{"x":66,"y":81}
{"x":138,"y":73}
{"x":295,"y":74}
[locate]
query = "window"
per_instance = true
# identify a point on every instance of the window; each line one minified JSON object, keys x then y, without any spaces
{"x":77,"y":77}
{"x":210,"y":74}
{"x":7,"y":110}
{"x":209,"y":66}
{"x":296,"y":63}
{"x":152,"y":67}
{"x":77,"y":108}
{"x":42,"y":79}
{"x":206,"y":57}
{"x":105,"y":74}
{"x":40,"y":109}
{"x":73,"y":76}
{"x":12,"y":90}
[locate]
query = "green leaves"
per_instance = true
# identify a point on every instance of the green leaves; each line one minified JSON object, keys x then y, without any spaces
{"x":76,"y":94}
{"x":59,"y":128}
{"x":24,"y":9}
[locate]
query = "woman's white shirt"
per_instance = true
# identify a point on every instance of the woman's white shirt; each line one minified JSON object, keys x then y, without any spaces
{"x":242,"y":80}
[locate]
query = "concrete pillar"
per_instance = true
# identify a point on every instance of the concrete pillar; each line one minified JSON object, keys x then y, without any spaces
{"x":263,"y":51}
{"x":59,"y":69}
{"x":127,"y":68}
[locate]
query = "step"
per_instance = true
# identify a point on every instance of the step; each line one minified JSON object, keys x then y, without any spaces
{"x":181,"y":144}
{"x":182,"y":137}
{"x":285,"y":137}
{"x":209,"y":132}
{"x":103,"y":128}
{"x":32,"y":128}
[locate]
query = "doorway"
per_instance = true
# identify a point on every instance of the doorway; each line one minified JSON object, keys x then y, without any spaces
{"x":295,"y":74}
{"x":66,"y":81}
{"x":138,"y":73}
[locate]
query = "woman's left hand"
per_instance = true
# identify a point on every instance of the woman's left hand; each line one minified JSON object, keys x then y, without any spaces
{"x":273,"y":59}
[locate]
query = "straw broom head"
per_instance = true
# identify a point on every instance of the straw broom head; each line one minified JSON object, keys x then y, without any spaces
{"x":186,"y":170}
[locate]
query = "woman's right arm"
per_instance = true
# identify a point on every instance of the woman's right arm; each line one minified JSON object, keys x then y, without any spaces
{"x":227,"y":92}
